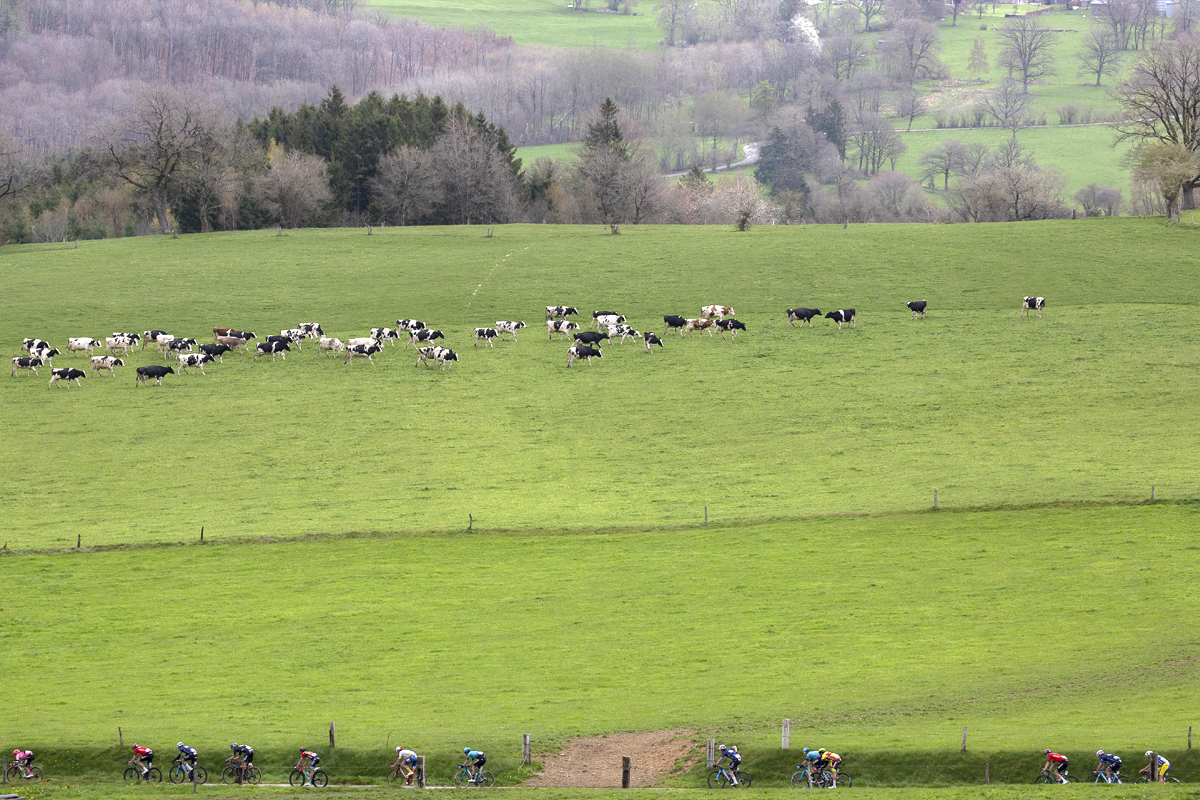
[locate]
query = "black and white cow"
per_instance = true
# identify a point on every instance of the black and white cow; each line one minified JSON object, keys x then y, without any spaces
{"x":606,"y":319}
{"x":106,"y":362}
{"x":673,"y":322}
{"x":247,"y":335}
{"x":917,"y":307}
{"x":1034,"y":304}
{"x":83,"y":343}
{"x":382,"y":335}
{"x":650,"y":339}
{"x":504,"y":326}
{"x":590,"y":337}
{"x":443,"y":355}
{"x":312,"y":330}
{"x":415,"y":338}
{"x":153,"y":371}
{"x":45,"y":354}
{"x":178,"y":346}
{"x":805,"y":315}
{"x":135,"y":337}
{"x":731,"y":325}
{"x":560,"y":312}
{"x":153,"y":336}
{"x":582,"y":351}
{"x":69,"y":374}
{"x":295,"y":336}
{"x":193,"y":360}
{"x":409,"y":325}
{"x":29,"y":345}
{"x":487,"y":334}
{"x":362,"y":351}
{"x":623,"y":332}
{"x":30,"y":363}
{"x":277,"y":347}
{"x":843,"y":316}
{"x":216,"y":351}
{"x":561,"y":327}
{"x":115,"y":343}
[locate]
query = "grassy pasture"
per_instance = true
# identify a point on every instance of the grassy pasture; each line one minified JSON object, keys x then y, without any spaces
{"x":1089,"y":403}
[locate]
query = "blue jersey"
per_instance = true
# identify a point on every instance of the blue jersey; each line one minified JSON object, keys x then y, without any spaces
{"x":187,"y":751}
{"x":732,"y":754}
{"x":1110,"y":760}
{"x":813,"y":755}
{"x":475,"y":755}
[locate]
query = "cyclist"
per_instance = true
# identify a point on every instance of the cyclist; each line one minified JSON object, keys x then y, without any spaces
{"x":307,"y":763}
{"x":22,"y":759}
{"x":243,"y":755}
{"x":478,"y":757}
{"x":1163,"y":765}
{"x":735,"y":759}
{"x":1056,"y":764}
{"x":831,"y":761}
{"x":143,"y":757}
{"x":187,"y":757}
{"x":406,"y":760}
{"x":812,"y":763}
{"x":1110,"y":764}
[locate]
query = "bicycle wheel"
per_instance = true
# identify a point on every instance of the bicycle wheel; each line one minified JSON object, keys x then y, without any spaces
{"x":13,"y":773}
{"x":229,"y":774}
{"x":201,"y":774}
{"x":1071,"y":779}
{"x":296,"y":777}
{"x":320,"y":778}
{"x":485,"y":779}
{"x":717,"y":779}
{"x":1043,"y":778}
{"x":799,"y":780}
{"x":393,"y":775}
{"x":744,"y":779}
{"x":460,"y":779}
{"x":177,"y":775}
{"x":37,"y":774}
{"x":254,"y":775}
{"x":845,"y":780}
{"x":132,"y":775}
{"x":154,"y":775}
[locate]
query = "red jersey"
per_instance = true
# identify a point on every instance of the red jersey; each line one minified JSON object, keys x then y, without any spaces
{"x":142,"y":751}
{"x":1057,"y":758}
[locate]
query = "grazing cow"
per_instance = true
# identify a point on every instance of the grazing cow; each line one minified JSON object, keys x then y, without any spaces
{"x":698,"y":325}
{"x":312,"y":330}
{"x":560,"y":312}
{"x":133,"y":337}
{"x":29,"y":345}
{"x":295,"y":336}
{"x":443,"y":355}
{"x":424,"y":335}
{"x":805,"y":315}
{"x":731,"y":325}
{"x":590,"y":337}
{"x":606,"y":319}
{"x":623,"y":331}
{"x":716,"y":312}
{"x":194,"y":360}
{"x":160,"y":342}
{"x":328,"y":345}
{"x":115,"y":343}
{"x":383,"y":334}
{"x":652,"y":339}
{"x":180,"y":346}
{"x":30,"y":363}
{"x":68,"y":374}
{"x":153,"y":371}
{"x":84,"y":343}
{"x":151,"y":336}
{"x":409,"y":325}
{"x":363,"y":340}
{"x":106,"y":362}
{"x":247,"y":335}
{"x":673,"y":321}
{"x":45,"y":354}
{"x":504,"y":326}
{"x":561,"y":327}
{"x":362,"y":351}
{"x":216,"y":351}
{"x":1034,"y":303}
{"x":487,"y":334}
{"x":843,"y":316}
{"x":234,"y":342}
{"x":582,"y":351}
{"x":280,"y":347}
{"x":917,"y":307}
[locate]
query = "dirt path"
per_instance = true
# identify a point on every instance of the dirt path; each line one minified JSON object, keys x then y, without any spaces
{"x":595,"y":762}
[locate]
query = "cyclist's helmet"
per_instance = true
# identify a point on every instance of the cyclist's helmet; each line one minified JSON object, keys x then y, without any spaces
{"x":1099,"y":753}
{"x":136,"y":745}
{"x":233,"y":745}
{"x":179,"y":744}
{"x":806,"y":751}
{"x":398,"y":749}
{"x":302,"y":749}
{"x":720,"y":747}
{"x":467,"y":750}
{"x":16,"y":752}
{"x":1046,"y":751}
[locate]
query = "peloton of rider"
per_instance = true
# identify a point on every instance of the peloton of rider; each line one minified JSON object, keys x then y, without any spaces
{"x":187,"y":757}
{"x":144,"y":758}
{"x":1110,"y":763}
{"x":308,"y":762}
{"x":1163,"y":765}
{"x":23,"y":758}
{"x":731,"y":753}
{"x":406,"y":761}
{"x":1057,"y":764}
{"x":478,"y":757}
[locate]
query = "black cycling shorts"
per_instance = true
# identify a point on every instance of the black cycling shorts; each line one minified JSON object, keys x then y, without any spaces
{"x":479,"y":762}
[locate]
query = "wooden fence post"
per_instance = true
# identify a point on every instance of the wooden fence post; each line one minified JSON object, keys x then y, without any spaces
{"x":1152,"y":773}
{"x":120,"y":738}
{"x":202,"y":533}
{"x":1189,"y":737}
{"x":964,"y":745}
{"x":331,"y":743}
{"x":706,"y":515}
{"x":987,"y":772}
{"x":710,"y":754}
{"x":193,"y":779}
{"x":787,"y":733}
{"x":78,"y":541}
{"x":526,"y":750}
{"x":935,"y":498}
{"x":1152,"y":493}
{"x":420,"y":772}
{"x":626,"y":770}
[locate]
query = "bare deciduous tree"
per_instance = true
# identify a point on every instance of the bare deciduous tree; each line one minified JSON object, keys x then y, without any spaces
{"x":1170,"y":166}
{"x":914,"y":47}
{"x":1026,"y":49}
{"x":294,"y":187}
{"x":943,"y":161}
{"x":14,"y":165}
{"x":1099,"y":54}
{"x":870,"y":9}
{"x":406,"y":186}
{"x":877,"y":143}
{"x":1009,"y":106}
{"x":477,"y":186}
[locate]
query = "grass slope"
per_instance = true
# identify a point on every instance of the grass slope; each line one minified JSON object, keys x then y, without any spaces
{"x":1089,"y":403}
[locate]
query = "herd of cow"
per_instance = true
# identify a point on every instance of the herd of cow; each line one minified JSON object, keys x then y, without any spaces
{"x":608,"y":326}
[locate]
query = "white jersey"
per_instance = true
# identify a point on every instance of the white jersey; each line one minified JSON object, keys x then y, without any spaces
{"x":406,"y":754}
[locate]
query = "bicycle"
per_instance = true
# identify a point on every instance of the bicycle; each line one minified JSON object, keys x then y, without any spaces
{"x":821,"y":780}
{"x":180,"y":775}
{"x":1104,"y":776}
{"x":1148,"y":779}
{"x":237,"y":772}
{"x":1046,"y":777}
{"x":395,"y":774}
{"x":320,"y":778}
{"x":722,"y":776}
{"x":463,"y":777}
{"x":15,"y":771}
{"x":133,"y":774}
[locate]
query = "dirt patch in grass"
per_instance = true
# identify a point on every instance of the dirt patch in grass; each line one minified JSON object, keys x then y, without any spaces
{"x":595,"y":761}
